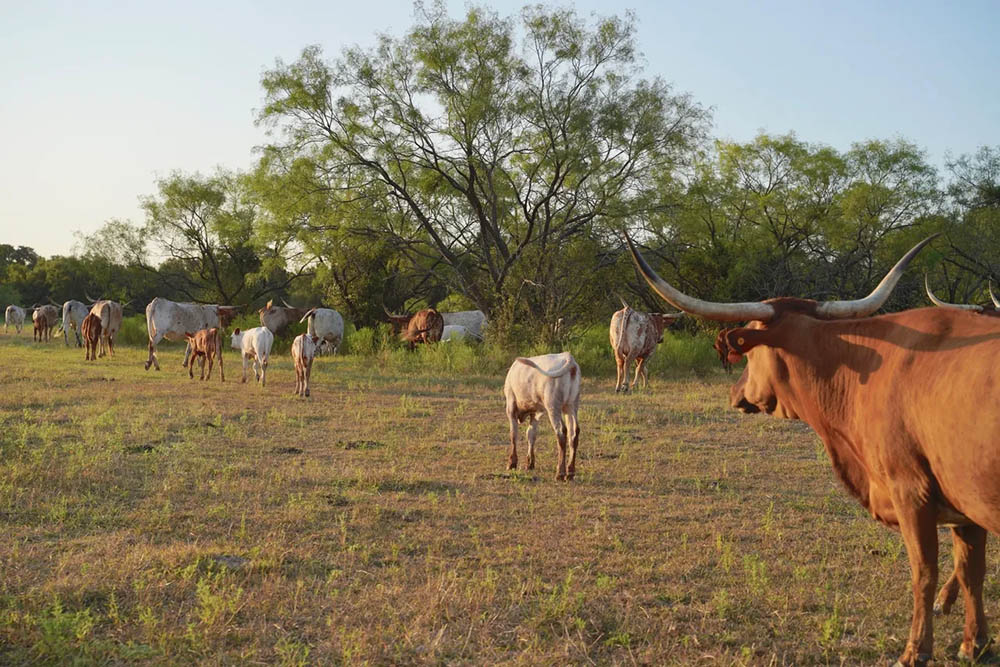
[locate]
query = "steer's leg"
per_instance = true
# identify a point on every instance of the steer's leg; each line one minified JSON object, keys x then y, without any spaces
{"x":532,"y":435}
{"x":308,"y":374}
{"x":640,"y":370}
{"x":917,"y":523}
{"x":263,"y":370}
{"x":970,"y":570}
{"x":629,"y":358}
{"x":573,"y":437}
{"x":948,"y":594}
{"x":152,"y":356}
{"x":555,"y":417}
{"x":512,"y":418}
{"x":619,"y":362}
{"x":244,"y":368}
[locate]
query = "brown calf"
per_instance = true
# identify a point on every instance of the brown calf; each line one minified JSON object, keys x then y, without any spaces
{"x":205,"y":345}
{"x":91,"y":332}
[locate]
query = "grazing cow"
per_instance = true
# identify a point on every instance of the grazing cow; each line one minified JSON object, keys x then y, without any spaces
{"x":327,"y":325}
{"x":73,"y":314}
{"x":254,"y":344}
{"x":277,"y":319}
{"x":992,"y":310}
{"x":474,"y":321}
{"x":205,"y":345}
{"x":44,"y":319}
{"x":426,"y":326}
{"x":890,"y":396}
{"x":110,"y":313}
{"x":304,"y":349}
{"x":91,"y":330}
{"x":172,"y":320}
{"x":457,"y":332}
{"x":14,"y":316}
{"x":548,"y":383}
{"x":634,"y":336}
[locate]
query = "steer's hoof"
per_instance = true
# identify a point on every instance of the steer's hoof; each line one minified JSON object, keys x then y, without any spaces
{"x":146,"y":365}
{"x":921,"y":660}
{"x":981,"y":653}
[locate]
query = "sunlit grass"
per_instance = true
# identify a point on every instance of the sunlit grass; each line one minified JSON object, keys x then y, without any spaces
{"x":150,"y":518}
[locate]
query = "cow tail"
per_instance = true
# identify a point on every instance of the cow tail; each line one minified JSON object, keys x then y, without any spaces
{"x":624,"y":325}
{"x":559,"y":372}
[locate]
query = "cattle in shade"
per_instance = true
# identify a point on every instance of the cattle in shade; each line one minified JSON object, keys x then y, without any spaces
{"x":73,"y":314}
{"x":327,"y":325}
{"x":110,"y":313}
{"x":171,"y":320}
{"x":474,"y":321}
{"x":254,"y":346}
{"x":891,"y":398}
{"x":634,"y":336}
{"x":278,"y":318}
{"x":44,"y":318}
{"x":91,"y":332}
{"x":424,"y":326}
{"x":550,"y":384}
{"x":205,"y":345}
{"x":14,"y":317}
{"x":304,"y":349}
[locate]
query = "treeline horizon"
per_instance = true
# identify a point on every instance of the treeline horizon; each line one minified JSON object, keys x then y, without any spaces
{"x":494,"y":162}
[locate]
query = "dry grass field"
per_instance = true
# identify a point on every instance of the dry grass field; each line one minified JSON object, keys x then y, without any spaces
{"x":151,"y":519}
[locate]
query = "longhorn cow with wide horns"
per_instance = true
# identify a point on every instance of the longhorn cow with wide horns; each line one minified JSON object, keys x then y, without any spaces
{"x":890,"y":396}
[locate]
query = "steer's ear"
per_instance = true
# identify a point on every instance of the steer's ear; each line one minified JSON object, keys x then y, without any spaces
{"x":237,"y":331}
{"x":741,"y":341}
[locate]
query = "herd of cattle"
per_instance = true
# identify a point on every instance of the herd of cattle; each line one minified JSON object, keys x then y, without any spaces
{"x":901,"y":401}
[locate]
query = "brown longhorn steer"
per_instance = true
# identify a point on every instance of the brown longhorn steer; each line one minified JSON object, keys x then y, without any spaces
{"x":890,"y":398}
{"x":425,"y":326}
{"x":91,"y":332}
{"x":634,"y":336}
{"x":205,"y":345}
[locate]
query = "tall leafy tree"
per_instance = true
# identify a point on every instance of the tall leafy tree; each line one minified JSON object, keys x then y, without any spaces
{"x":483,"y":149}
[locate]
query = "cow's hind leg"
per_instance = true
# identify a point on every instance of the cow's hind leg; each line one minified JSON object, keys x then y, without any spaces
{"x":619,"y":362}
{"x":555,"y":417}
{"x":573,"y":437}
{"x":512,"y":455}
{"x":970,"y":570}
{"x":308,"y":374}
{"x":532,"y":435}
{"x":152,"y":356}
{"x":625,"y":372}
{"x":640,"y":371}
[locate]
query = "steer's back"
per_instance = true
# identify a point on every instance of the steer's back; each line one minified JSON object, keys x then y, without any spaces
{"x":528,"y":390}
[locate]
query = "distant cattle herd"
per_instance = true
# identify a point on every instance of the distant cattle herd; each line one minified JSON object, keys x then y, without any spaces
{"x":891,"y":396}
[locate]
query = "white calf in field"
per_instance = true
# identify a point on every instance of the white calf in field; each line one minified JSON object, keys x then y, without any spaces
{"x":14,"y":316}
{"x":327,"y":325}
{"x":304,"y":349}
{"x":254,"y":344}
{"x":548,"y":383}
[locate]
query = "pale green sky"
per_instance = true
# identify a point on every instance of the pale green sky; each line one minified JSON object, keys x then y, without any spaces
{"x":97,"y":99}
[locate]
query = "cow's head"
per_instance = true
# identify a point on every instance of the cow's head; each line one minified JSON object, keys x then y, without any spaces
{"x":236,"y":339}
{"x":226,"y":315}
{"x":772,"y":325}
{"x":399,"y":322}
{"x":663,"y":320}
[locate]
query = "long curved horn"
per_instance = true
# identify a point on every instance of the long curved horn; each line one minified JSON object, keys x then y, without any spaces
{"x":287,"y":305}
{"x":996,"y":302}
{"x":91,"y":299}
{"x":721,"y":312}
{"x":308,"y":315}
{"x":862,"y":307}
{"x":944,"y":304}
